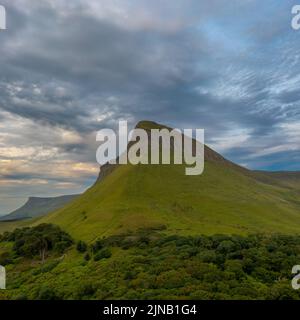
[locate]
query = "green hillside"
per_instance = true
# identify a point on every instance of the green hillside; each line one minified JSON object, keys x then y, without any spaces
{"x":225,"y":199}
{"x":151,"y":232}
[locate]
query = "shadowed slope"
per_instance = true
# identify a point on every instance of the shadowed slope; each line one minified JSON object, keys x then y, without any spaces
{"x":36,"y":207}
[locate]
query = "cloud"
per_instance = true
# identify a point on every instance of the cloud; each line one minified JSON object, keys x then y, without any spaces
{"x":70,"y":68}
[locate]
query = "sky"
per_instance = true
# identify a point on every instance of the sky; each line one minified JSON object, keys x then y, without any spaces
{"x":71,"y":68}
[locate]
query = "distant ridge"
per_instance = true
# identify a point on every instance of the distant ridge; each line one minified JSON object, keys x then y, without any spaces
{"x":37,"y":207}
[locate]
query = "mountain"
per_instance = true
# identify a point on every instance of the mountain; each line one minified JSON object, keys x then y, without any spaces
{"x":36,"y":207}
{"x":226,"y":198}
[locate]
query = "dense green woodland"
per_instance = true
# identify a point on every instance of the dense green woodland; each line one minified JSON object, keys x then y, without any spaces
{"x":43,"y":262}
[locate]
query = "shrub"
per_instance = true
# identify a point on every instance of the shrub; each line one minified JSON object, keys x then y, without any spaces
{"x":87,"y":257}
{"x":5,"y":258}
{"x":98,"y":245}
{"x":81,"y":246}
{"x":46,"y":293}
{"x":86,"y":290}
{"x":103,"y":254}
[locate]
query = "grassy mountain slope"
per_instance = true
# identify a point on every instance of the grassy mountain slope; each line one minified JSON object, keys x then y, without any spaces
{"x":36,"y":207}
{"x":226,"y":198}
{"x":289,"y":179}
{"x":12,"y":225}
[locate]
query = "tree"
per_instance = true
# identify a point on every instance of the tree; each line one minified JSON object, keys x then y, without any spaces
{"x":81,"y":246}
{"x":43,"y":247}
{"x":103,"y":254}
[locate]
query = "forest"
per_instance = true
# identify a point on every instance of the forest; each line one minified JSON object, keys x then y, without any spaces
{"x":44,"y":262}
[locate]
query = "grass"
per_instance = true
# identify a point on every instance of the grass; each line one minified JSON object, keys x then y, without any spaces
{"x":222,"y":200}
{"x":12,"y":225}
{"x":225,"y":199}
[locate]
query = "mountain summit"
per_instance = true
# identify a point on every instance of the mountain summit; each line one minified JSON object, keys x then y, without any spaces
{"x":226,"y":198}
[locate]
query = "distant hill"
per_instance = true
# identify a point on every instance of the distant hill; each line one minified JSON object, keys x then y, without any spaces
{"x":226,"y":198}
{"x":37,"y":207}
